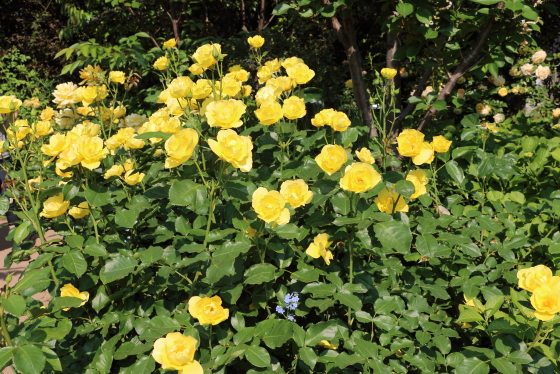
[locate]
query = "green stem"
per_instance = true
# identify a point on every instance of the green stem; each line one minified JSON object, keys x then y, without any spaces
{"x":5,"y":329}
{"x":537,"y":335}
{"x":210,"y":213}
{"x":55,"y":279}
{"x":94,"y":227}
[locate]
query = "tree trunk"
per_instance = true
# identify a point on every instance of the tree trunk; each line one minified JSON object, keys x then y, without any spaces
{"x":261,"y":15}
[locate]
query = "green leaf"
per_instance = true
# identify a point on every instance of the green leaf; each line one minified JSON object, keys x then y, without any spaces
{"x":280,"y":333}
{"x":29,"y":359}
{"x":64,"y":302}
{"x":345,"y":297}
{"x":469,"y":314}
{"x":503,"y":365}
{"x":440,"y":104}
{"x":308,"y":356}
{"x":320,"y":331}
{"x":281,"y":9}
{"x":258,"y":356}
{"x":154,"y":134}
{"x":259,"y":273}
{"x":5,"y":356}
{"x":4,"y":204}
{"x":15,"y":304}
{"x":145,"y":365}
{"x":21,"y":232}
{"x":486,"y":2}
{"x":240,"y":190}
{"x":312,"y":94}
{"x":394,"y":234}
{"x":319,"y":289}
{"x":341,"y":203}
{"x":164,"y":324}
{"x":471,"y":120}
{"x":489,"y":224}
{"x":126,"y":218}
{"x":423,"y":15}
{"x":151,"y":255}
{"x":405,"y":9}
{"x":520,"y":357}
{"x":31,"y":279}
{"x":472,"y":365}
{"x":366,"y":349}
{"x":75,"y":262}
{"x":97,"y":195}
{"x":306,"y":275}
{"x":455,"y":172}
{"x":52,"y":358}
{"x":529,"y":13}
{"x":117,"y":268}
{"x":405,"y":188}
{"x":97,"y":250}
{"x":189,"y":194}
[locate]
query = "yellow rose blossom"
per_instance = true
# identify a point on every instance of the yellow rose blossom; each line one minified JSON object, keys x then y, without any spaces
{"x":294,"y":108}
{"x":270,"y":112}
{"x":57,"y":144}
{"x":289,"y":62}
{"x":68,"y":158}
{"x":274,"y":65}
{"x":256,"y":41}
{"x":206,"y":55}
{"x":118,"y":112}
{"x":233,"y":148}
{"x":47,"y":114}
{"x":180,"y":147}
{"x":340,"y":121}
{"x":545,"y":299}
{"x":247,"y":90}
{"x":171,"y":43}
{"x":69,"y":290}
{"x":482,"y":110}
{"x":161,"y":63}
{"x":225,"y":113}
{"x":503,"y":91}
{"x":85,"y":111}
{"x":326,"y":344}
{"x":42,"y":128}
{"x":533,"y":277}
{"x":538,"y":57}
{"x":133,"y":178}
{"x":208,"y":310}
{"x":359,"y":177}
{"x":177,"y":107}
{"x":421,"y":175}
{"x":300,"y":73}
{"x":171,"y":126}
{"x":176,"y":351}
{"x":264,"y":74}
{"x":364,"y":155}
{"x":284,"y":82}
{"x":425,"y":156}
{"x":91,"y":75}
{"x":64,"y":94}
{"x":180,"y":87}
{"x":54,"y":206}
{"x":323,"y":118}
{"x":556,"y":113}
{"x":492,"y":127}
{"x":319,"y":248}
{"x":388,"y":73}
{"x":409,"y":142}
{"x":419,"y":188}
{"x":79,"y":211}
{"x":267,"y":93}
{"x":270,"y":206}
{"x":349,"y":84}
{"x":296,"y":192}
{"x":440,"y":144}
{"x":60,"y":173}
{"x":229,"y":86}
{"x":9,"y":104}
{"x":128,"y":164}
{"x":92,"y":150}
{"x":196,"y":69}
{"x":117,"y":76}
{"x":114,"y":171}
{"x":201,"y":89}
{"x":331,"y":158}
{"x":387,"y":199}
{"x":471,"y":302}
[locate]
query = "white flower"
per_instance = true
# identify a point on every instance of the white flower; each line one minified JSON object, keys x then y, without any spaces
{"x":64,"y":94}
{"x":527,"y":69}
{"x":66,"y":118}
{"x":538,"y":57}
{"x":135,"y":120}
{"x":499,"y":81}
{"x":499,"y":118}
{"x":542,"y":72}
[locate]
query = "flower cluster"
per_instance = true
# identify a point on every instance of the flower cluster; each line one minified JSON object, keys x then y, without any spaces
{"x":545,"y":288}
{"x":291,"y":302}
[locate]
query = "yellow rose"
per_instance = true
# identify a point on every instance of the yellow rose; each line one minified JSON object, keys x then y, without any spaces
{"x":270,"y":206}
{"x":264,"y":74}
{"x":201,"y":89}
{"x":545,"y":299}
{"x":294,"y":108}
{"x":171,"y":126}
{"x":47,"y":114}
{"x":180,"y":147}
{"x":114,"y":171}
{"x":387,"y":199}
{"x":300,"y":73}
{"x":419,"y":188}
{"x":208,"y":310}
{"x":229,"y":86}
{"x":92,"y":150}
{"x":283,"y":82}
{"x":274,"y":65}
{"x":296,"y":192}
{"x":388,"y":73}
{"x":270,"y":112}
{"x":359,"y":177}
{"x":331,"y":158}
{"x":132,"y":179}
{"x":68,"y":158}
{"x":425,"y":156}
{"x":207,"y":55}
{"x":62,"y":174}
{"x":180,"y":87}
{"x":256,"y":41}
{"x":9,"y":104}
{"x":319,"y":248}
{"x":42,"y":128}
{"x":177,"y":107}
{"x":267,"y":93}
{"x":289,"y":62}
{"x":349,"y":83}
{"x":196,"y":69}
{"x":556,"y":113}
{"x":225,"y":113}
{"x":326,"y":344}
{"x":161,"y":63}
{"x":440,"y":144}
{"x":176,"y":351}
{"x":324,"y":117}
{"x":128,"y":165}
{"x":116,"y":76}
{"x":247,"y":90}
{"x":534,"y":277}
{"x":54,"y":206}
{"x":69,"y":290}
{"x":409,"y":142}
{"x":79,"y":211}
{"x":364,"y":155}
{"x":503,"y":91}
{"x":170,"y":43}
{"x":234,"y":149}
{"x":340,"y":121}
{"x":63,"y":95}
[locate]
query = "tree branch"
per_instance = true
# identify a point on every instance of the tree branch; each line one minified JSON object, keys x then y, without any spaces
{"x":410,"y":107}
{"x":461,"y":69}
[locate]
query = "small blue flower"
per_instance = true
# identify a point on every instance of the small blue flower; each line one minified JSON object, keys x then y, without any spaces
{"x":291,"y":318}
{"x":279,"y":309}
